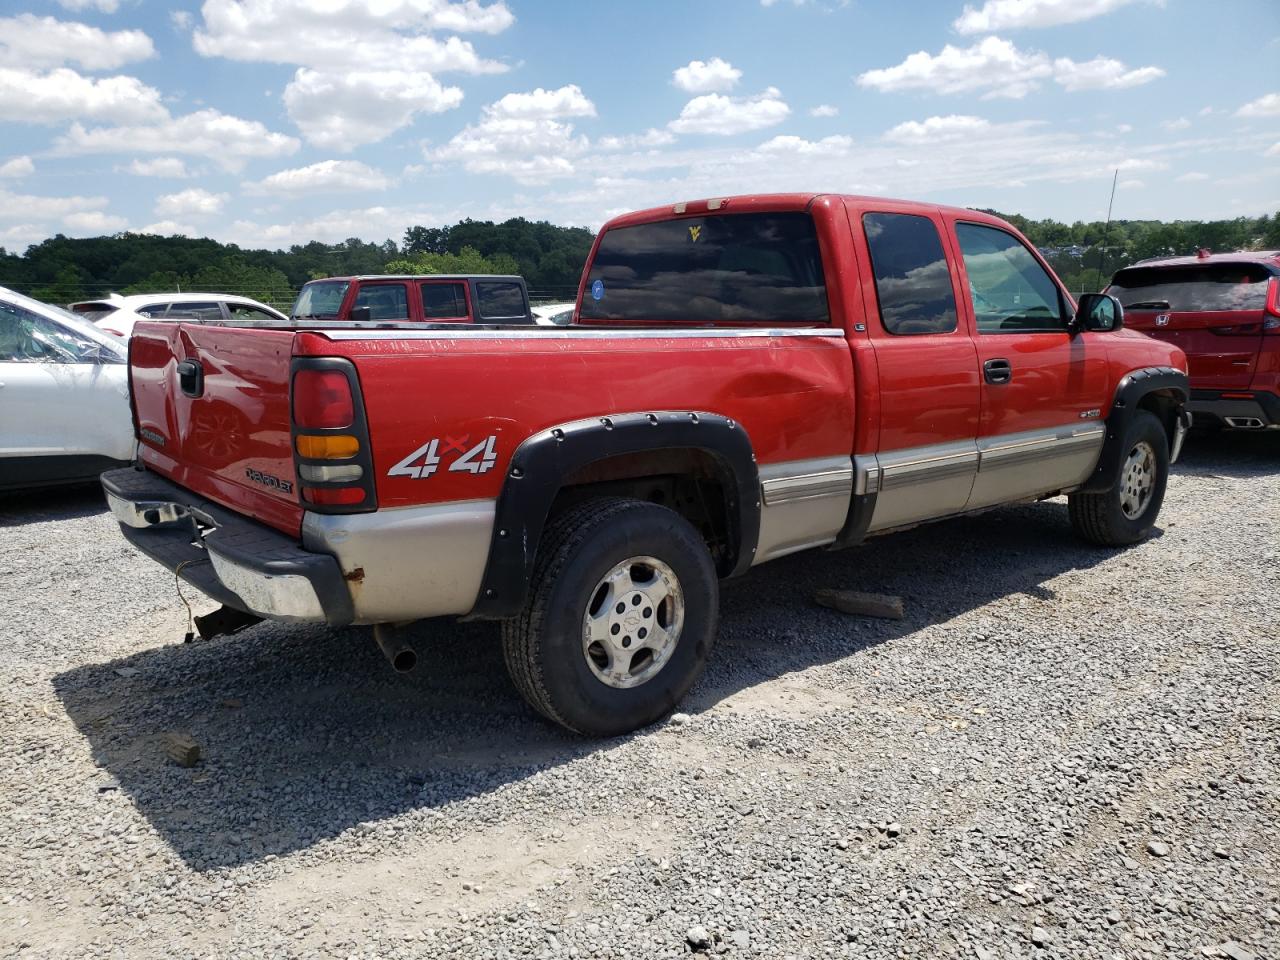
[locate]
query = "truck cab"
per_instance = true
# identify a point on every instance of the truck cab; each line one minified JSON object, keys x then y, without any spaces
{"x":481,"y":298}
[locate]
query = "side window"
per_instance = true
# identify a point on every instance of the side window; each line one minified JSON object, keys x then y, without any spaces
{"x":242,"y":311}
{"x":444,"y":301}
{"x":1011,"y":292}
{"x":386,"y":301}
{"x":27,"y":337}
{"x":206,"y":312}
{"x":913,"y":283}
{"x":500,"y":300}
{"x":153,"y":310}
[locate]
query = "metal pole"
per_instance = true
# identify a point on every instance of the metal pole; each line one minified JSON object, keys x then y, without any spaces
{"x":1097,"y":283}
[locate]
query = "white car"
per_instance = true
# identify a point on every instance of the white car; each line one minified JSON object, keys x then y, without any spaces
{"x":64,"y":396}
{"x":117,"y":314}
{"x":553,"y":314}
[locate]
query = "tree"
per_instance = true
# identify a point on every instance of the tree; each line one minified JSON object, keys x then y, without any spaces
{"x":467,"y":260}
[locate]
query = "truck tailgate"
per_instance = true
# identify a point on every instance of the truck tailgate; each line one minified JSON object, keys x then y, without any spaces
{"x":225,"y":437}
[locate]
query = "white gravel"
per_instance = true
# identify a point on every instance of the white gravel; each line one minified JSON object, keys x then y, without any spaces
{"x":1061,"y":752}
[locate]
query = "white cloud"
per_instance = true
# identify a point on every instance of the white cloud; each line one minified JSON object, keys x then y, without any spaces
{"x":168,"y":228}
{"x":523,"y":135}
{"x":824,"y":110}
{"x":102,"y":6}
{"x":1124,"y":127}
{"x":16,"y":167}
{"x":998,"y":67}
{"x":1132,"y":184}
{"x":344,"y":110}
{"x":1268,"y":105}
{"x":60,"y":95}
{"x":227,"y":140}
{"x":196,"y":202}
{"x":935,"y":129}
{"x":647,"y":140}
{"x":170,"y":167}
{"x":38,"y":42}
{"x":1205,"y":111}
{"x":350,"y":34}
{"x":20,"y":207}
{"x":798,"y":146}
{"x":94,"y":222}
{"x":709,"y":76}
{"x":1020,"y":14}
{"x":1101,"y":73}
{"x":718,"y":114}
{"x":1273,"y":150}
{"x":327,"y":176}
{"x":1173,"y":125}
{"x":181,"y":20}
{"x":1193,"y":176}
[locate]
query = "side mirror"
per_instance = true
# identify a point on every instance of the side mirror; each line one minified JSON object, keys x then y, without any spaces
{"x":360,"y":314}
{"x":1099,"y":312}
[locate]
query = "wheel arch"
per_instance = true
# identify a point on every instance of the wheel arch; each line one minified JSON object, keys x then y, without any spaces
{"x":595,"y":454}
{"x":1162,"y":391}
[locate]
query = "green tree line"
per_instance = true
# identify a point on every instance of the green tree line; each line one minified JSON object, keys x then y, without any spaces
{"x":64,"y":269}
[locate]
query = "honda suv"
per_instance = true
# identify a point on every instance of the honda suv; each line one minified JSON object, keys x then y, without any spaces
{"x":1223,"y":310}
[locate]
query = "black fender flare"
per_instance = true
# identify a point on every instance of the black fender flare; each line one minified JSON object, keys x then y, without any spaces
{"x":540,"y":464}
{"x":1132,"y":388}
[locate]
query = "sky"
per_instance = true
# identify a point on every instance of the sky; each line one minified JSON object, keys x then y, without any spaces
{"x":273,"y":122}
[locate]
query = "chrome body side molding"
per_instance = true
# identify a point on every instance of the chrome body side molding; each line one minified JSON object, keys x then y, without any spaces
{"x":1019,"y":465}
{"x":804,"y":504}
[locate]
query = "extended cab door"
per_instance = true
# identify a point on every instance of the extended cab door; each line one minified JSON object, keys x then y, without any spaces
{"x":1043,"y":390}
{"x":928,"y":370}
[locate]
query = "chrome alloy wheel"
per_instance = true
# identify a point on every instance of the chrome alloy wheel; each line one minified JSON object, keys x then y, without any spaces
{"x":632,"y":623}
{"x":1137,"y":480}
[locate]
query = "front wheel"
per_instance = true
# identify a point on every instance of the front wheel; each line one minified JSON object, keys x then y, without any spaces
{"x":1126,"y":512}
{"x":620,"y":617}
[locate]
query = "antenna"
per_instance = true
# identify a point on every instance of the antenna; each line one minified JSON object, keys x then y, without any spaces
{"x":1106,"y":229}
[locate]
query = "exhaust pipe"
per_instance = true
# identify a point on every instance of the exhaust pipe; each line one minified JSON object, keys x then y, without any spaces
{"x":1244,"y":423}
{"x":394,"y":647}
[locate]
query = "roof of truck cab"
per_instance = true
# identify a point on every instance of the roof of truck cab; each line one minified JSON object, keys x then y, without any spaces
{"x":421,"y":276}
{"x":778,"y":203}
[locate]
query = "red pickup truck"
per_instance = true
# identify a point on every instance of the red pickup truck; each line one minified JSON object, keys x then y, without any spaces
{"x":745,"y":378}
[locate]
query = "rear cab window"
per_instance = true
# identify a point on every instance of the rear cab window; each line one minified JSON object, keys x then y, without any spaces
{"x":206,"y":311}
{"x":726,"y":268}
{"x":913,"y":281}
{"x":1207,"y":288}
{"x":500,"y":300}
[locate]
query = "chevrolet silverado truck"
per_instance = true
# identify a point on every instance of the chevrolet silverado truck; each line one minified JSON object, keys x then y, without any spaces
{"x":1223,"y":311}
{"x":744,"y":378}
{"x":433,"y":298}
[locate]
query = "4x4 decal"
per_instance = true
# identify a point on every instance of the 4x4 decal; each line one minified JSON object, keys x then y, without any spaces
{"x":424,"y":461}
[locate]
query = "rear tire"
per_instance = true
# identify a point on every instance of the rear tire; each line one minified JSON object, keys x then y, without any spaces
{"x":620,"y":617}
{"x":1125,"y":513}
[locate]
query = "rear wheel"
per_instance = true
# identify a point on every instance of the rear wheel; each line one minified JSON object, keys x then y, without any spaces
{"x":1126,"y":512}
{"x":620,"y":617}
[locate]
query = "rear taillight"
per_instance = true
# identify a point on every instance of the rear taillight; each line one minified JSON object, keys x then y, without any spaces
{"x":331,"y":437}
{"x":1271,"y":317}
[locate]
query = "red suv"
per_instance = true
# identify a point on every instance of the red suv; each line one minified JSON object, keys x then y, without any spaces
{"x":1223,"y":310}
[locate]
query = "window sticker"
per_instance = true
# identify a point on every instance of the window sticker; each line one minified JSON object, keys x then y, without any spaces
{"x":597,"y":290}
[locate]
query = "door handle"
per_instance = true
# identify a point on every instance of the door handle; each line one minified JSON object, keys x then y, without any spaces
{"x":191,"y":378}
{"x":998,"y":370}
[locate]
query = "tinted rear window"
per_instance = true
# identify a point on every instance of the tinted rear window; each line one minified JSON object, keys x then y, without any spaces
{"x":443,"y":301}
{"x":500,"y":300}
{"x":386,"y":301}
{"x":913,"y":283}
{"x":93,"y":312}
{"x":762,"y":267}
{"x":1214,"y":286}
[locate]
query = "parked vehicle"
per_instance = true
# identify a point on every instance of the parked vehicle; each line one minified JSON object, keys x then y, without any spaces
{"x":64,"y":396}
{"x":117,"y":314}
{"x":748,"y":377}
{"x":554,"y":314}
{"x":429,"y":299}
{"x":1223,"y":311}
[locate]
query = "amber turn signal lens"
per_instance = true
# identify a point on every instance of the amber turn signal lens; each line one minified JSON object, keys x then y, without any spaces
{"x":334,"y":447}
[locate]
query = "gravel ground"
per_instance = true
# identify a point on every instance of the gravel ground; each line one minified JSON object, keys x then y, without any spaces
{"x":1061,"y":752}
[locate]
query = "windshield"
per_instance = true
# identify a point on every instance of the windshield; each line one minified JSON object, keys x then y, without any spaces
{"x":1212,"y":287}
{"x":746,"y":267}
{"x":320,"y":298}
{"x":75,"y":327}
